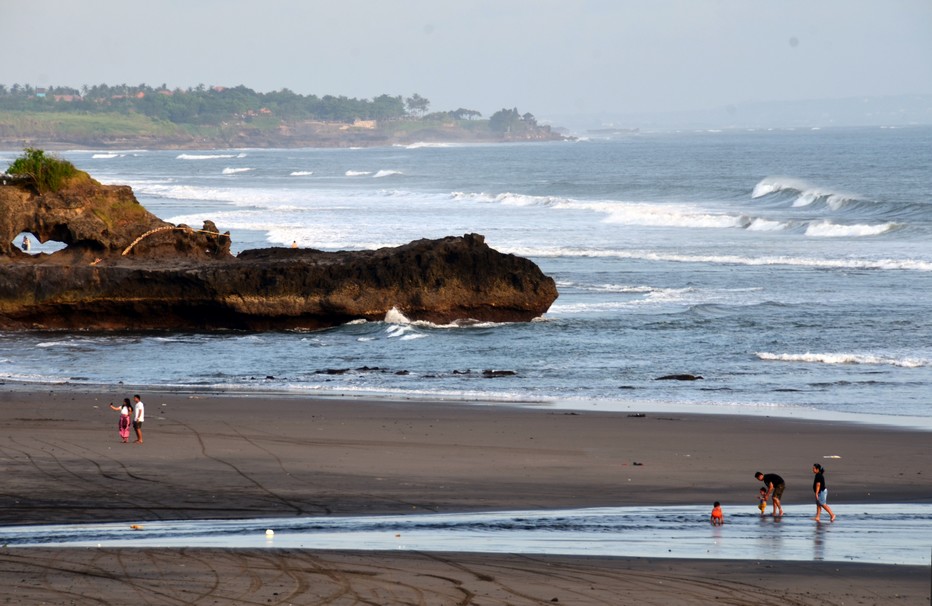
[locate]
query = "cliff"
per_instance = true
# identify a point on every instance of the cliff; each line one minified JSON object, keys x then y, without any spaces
{"x":125,"y":269}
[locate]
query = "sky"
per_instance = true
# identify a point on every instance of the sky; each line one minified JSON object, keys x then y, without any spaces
{"x":547,"y":57}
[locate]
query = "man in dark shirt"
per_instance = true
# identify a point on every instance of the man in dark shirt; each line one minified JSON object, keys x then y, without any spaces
{"x":775,"y":486}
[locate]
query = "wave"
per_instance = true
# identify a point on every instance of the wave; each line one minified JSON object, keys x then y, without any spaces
{"x":643,"y":214}
{"x":422,"y":144}
{"x":208,"y":156}
{"x":357,"y":173}
{"x":827,"y":229}
{"x":301,"y":173}
{"x":400,"y":323}
{"x":106,"y":156}
{"x":842,"y":263}
{"x":846,"y":358}
{"x":234,"y":171}
{"x":802,"y":192}
{"x":386,"y":173}
{"x":767,"y":225}
{"x":237,"y":196}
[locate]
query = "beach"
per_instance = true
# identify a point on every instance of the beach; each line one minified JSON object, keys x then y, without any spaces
{"x":213,"y":455}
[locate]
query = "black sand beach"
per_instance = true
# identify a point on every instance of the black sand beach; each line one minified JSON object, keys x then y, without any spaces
{"x":220,"y":456}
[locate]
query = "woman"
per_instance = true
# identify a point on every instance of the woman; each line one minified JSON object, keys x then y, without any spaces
{"x":126,"y":416}
{"x":821,"y":492}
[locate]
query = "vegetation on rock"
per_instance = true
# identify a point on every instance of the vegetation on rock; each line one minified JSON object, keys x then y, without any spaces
{"x":47,"y":172}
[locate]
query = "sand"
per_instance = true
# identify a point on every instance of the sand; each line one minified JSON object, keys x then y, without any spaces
{"x":210,"y":456}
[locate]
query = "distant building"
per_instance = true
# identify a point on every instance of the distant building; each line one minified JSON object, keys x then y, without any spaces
{"x":41,"y":92}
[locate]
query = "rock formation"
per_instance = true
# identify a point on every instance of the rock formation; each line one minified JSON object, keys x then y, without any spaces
{"x":125,"y":269}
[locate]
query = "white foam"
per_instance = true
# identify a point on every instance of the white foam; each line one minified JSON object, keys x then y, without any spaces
{"x":766,"y":225}
{"x":234,"y":171}
{"x":641,"y":255}
{"x":357,"y":173}
{"x":301,"y":173}
{"x":394,"y":316}
{"x":846,"y":358}
{"x":106,"y":156}
{"x":207,"y":156}
{"x":643,"y":214}
{"x":386,"y":173}
{"x":827,"y":229}
{"x":421,"y":144}
{"x":807,"y":193}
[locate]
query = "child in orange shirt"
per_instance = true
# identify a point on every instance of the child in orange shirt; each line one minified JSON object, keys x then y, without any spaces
{"x":717,"y":518}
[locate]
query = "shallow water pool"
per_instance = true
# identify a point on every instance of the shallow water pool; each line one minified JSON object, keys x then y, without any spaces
{"x":884,"y":534}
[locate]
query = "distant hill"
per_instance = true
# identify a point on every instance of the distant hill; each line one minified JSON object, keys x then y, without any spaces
{"x":141,"y":116}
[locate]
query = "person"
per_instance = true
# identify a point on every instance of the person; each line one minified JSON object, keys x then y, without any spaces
{"x":126,"y":414}
{"x":717,"y":518}
{"x":26,"y":243}
{"x":821,"y":493}
{"x":294,"y":244}
{"x":140,"y":416}
{"x":775,"y":487}
{"x":762,"y":505}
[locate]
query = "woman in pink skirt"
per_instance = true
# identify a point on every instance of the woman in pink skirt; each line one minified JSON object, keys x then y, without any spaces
{"x":126,"y":416}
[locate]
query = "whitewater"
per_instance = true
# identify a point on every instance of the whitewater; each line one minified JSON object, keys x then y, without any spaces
{"x":790,"y":269}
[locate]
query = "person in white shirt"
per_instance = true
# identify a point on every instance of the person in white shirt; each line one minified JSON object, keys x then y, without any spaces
{"x":140,"y":416}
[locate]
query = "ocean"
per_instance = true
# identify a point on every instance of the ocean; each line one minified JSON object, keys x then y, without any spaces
{"x":790,"y":269}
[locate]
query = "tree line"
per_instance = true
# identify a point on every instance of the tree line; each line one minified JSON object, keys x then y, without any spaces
{"x":215,"y":105}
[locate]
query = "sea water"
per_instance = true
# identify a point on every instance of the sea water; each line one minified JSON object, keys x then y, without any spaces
{"x":790,"y":269}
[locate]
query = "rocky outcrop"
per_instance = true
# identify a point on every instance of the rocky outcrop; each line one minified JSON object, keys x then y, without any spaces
{"x":122,"y":274}
{"x":94,"y":220}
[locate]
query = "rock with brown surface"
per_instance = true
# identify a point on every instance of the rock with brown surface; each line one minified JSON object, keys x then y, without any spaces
{"x":125,"y":269}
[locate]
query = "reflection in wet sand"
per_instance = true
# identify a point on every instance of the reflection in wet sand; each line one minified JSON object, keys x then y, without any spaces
{"x":884,"y":534}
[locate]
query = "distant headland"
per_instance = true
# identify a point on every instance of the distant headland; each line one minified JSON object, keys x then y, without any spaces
{"x":142,"y":116}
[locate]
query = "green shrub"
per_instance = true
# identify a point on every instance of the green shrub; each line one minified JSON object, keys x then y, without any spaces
{"x":47,"y":172}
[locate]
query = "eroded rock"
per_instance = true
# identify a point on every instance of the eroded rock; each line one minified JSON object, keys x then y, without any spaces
{"x":125,"y":269}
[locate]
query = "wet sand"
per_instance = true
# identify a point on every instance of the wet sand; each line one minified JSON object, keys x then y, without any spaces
{"x":216,"y":456}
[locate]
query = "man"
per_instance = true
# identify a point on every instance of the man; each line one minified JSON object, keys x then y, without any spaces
{"x":775,"y":486}
{"x":139,"y":410}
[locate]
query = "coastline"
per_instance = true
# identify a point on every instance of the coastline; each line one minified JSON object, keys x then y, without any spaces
{"x":227,"y":456}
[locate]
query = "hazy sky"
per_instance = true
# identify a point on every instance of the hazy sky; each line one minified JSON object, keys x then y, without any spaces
{"x":543,"y":56}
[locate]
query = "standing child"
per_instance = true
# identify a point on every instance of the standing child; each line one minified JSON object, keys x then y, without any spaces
{"x":762,"y":505}
{"x":717,"y":518}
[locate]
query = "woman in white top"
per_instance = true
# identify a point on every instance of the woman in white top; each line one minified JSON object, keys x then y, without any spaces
{"x":126,"y":414}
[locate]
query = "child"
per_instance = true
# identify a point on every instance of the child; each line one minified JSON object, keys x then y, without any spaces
{"x":763,"y":500}
{"x":717,"y":518}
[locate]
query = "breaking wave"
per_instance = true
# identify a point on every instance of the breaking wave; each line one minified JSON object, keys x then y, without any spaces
{"x":644,"y":255}
{"x":802,"y":192}
{"x":234,"y":171}
{"x":827,"y":229}
{"x":208,"y":156}
{"x":846,"y":358}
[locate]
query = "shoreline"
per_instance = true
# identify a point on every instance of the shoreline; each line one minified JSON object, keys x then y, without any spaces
{"x":226,"y":456}
{"x":620,"y":406}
